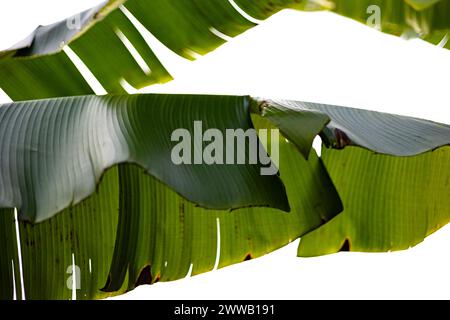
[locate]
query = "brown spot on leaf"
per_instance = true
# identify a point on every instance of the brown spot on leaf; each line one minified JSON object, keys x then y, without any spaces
{"x":346,"y":246}
{"x":248,"y":257}
{"x":30,"y":243}
{"x":146,"y":277}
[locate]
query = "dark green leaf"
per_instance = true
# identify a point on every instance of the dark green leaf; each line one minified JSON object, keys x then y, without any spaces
{"x":55,"y":151}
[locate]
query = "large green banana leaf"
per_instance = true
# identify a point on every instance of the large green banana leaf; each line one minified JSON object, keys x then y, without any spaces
{"x":38,"y":68}
{"x":55,"y":151}
{"x":379,"y":132}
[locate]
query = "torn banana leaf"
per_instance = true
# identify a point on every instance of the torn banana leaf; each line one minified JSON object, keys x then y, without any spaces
{"x":56,"y":150}
{"x":398,"y":17}
{"x":391,"y":172}
{"x":76,"y":244}
{"x":114,"y":39}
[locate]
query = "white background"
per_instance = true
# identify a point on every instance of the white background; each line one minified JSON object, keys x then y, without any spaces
{"x":315,"y":57}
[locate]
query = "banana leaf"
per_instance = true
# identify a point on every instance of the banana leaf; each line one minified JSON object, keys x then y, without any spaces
{"x":163,"y":230}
